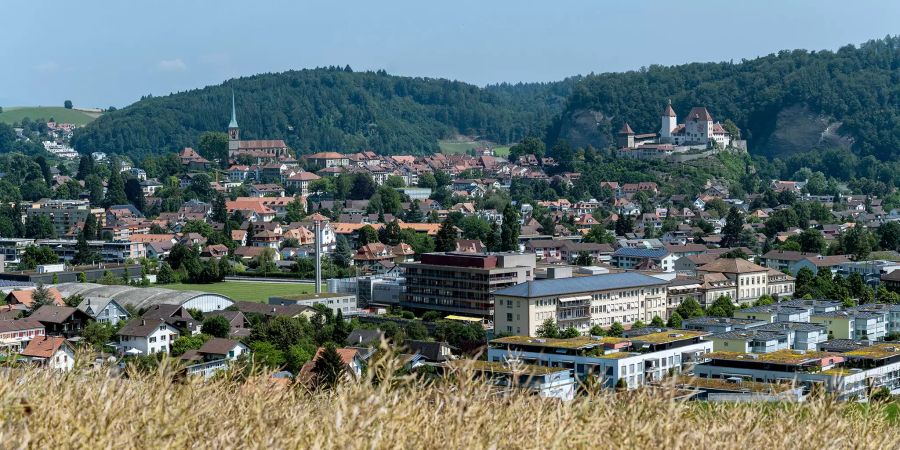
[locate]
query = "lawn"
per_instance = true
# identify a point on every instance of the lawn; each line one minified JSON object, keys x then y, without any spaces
{"x":13,"y":114}
{"x":449,"y":147}
{"x":453,"y":147}
{"x":247,"y":290}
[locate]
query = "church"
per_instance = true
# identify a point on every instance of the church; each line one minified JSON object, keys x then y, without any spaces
{"x":258,"y":151}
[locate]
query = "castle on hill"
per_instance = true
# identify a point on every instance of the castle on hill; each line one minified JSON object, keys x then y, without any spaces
{"x":698,"y":131}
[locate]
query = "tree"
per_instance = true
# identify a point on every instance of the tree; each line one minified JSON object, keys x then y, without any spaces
{"x":342,"y":255}
{"x":509,"y":229}
{"x":690,"y":308}
{"x":548,"y":329}
{"x":166,"y":275}
{"x":34,"y":256}
{"x":468,"y":337}
{"x":889,"y":236}
{"x":811,"y":241}
{"x":188,"y":342}
{"x":135,"y":194}
{"x":529,"y":146}
{"x":94,"y":186}
{"x":363,"y":187}
{"x":657,"y":322}
{"x":764,"y":300}
{"x":98,"y":334}
{"x":856,"y":241}
{"x":115,"y":189}
{"x":624,"y":225}
{"x":718,"y":205}
{"x":445,"y":239}
{"x":216,"y":326}
{"x":213,"y":146}
{"x":85,"y":167}
{"x":265,"y":262}
{"x":329,"y":367}
{"x":366,"y":235}
{"x":615,"y":330}
{"x":84,"y":254}
{"x":675,"y":320}
{"x":597,"y":330}
{"x":731,"y":232}
{"x":638,"y":324}
{"x":267,"y":354}
{"x":569,"y":333}
{"x":67,"y":104}
{"x":599,"y":235}
{"x":390,"y":233}
{"x":722,"y":307}
{"x":584,"y":259}
{"x":41,"y":296}
{"x":415,"y":330}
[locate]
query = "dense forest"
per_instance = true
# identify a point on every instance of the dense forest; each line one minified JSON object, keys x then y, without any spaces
{"x":331,"y":109}
{"x":855,"y":89}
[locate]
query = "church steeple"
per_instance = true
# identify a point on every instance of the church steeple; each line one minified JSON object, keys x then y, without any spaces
{"x":233,"y":132}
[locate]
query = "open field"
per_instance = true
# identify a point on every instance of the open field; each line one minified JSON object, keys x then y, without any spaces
{"x":246,"y":290}
{"x":44,"y":409}
{"x":450,"y":147}
{"x":15,"y":114}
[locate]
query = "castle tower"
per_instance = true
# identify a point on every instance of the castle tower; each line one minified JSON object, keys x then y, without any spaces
{"x":669,"y":122}
{"x":234,"y":133}
{"x":625,"y":137}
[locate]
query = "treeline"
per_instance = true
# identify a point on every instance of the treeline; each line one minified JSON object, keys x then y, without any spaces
{"x":856,"y":85}
{"x":330,"y":109}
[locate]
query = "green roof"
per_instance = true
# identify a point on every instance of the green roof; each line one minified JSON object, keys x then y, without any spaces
{"x":497,"y":367}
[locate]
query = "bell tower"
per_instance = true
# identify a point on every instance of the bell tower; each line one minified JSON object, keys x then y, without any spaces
{"x":234,"y":133}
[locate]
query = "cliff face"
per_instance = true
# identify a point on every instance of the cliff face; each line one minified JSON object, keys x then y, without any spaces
{"x":583,"y":127}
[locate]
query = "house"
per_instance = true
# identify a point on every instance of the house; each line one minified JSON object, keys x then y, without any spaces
{"x":365,"y":338}
{"x":50,"y":351}
{"x":219,"y":348}
{"x":64,"y":321}
{"x":25,"y":297}
{"x":353,"y":358}
{"x":15,"y":334}
{"x":436,"y":352}
{"x":629,"y":258}
{"x":192,"y":160}
{"x":141,"y":336}
{"x":104,"y":310}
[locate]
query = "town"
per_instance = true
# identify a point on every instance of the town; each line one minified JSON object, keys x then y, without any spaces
{"x":517,"y":266}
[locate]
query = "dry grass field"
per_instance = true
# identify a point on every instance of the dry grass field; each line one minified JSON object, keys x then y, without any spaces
{"x":40,"y":409}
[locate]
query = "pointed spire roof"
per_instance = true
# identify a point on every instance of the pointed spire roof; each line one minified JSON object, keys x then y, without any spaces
{"x":233,"y":123}
{"x":626,"y":129}
{"x":669,"y":112}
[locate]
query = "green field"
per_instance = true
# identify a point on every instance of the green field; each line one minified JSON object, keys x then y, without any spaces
{"x":453,"y":147}
{"x":246,"y":290}
{"x":13,"y":114}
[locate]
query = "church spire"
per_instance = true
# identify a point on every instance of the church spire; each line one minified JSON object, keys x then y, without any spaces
{"x":233,"y":123}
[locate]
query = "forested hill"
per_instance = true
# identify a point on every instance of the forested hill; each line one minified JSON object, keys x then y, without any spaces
{"x":331,"y":109}
{"x":784,"y":103}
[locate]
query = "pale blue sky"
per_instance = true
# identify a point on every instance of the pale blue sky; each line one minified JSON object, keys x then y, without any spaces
{"x":110,"y":52}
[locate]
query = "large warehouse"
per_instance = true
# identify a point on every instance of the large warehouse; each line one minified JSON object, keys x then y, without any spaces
{"x":143,"y":298}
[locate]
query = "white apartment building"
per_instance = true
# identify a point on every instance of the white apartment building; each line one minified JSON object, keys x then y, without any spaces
{"x":579,"y":302}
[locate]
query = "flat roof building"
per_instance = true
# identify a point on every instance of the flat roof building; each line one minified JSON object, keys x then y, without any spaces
{"x":463,"y":283}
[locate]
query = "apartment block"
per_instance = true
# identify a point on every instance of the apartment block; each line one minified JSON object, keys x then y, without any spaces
{"x":65,"y":215}
{"x":579,"y":302}
{"x":463,"y":283}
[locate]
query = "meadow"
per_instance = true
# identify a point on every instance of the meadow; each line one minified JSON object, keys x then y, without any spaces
{"x":13,"y":114}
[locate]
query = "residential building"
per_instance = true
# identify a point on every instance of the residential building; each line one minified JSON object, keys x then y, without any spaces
{"x":752,"y":280}
{"x":345,"y":303}
{"x":141,"y":336}
{"x":50,"y":351}
{"x":870,"y":324}
{"x":15,"y":334}
{"x":62,"y":321}
{"x":104,"y":310}
{"x":65,"y":215}
{"x":463,"y":283}
{"x":214,"y":355}
{"x":648,"y":355}
{"x":579,"y":302}
{"x":716,"y":325}
{"x":630,"y":258}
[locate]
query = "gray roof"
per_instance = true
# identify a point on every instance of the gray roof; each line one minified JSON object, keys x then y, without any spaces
{"x":752,"y":334}
{"x":130,"y":295}
{"x":793,"y":326}
{"x":561,"y":286}
{"x":641,"y":252}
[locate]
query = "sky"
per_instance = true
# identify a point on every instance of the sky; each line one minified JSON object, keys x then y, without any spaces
{"x":104,"y":53}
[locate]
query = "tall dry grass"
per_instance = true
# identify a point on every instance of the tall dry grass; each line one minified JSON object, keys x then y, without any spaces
{"x":41,"y":409}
